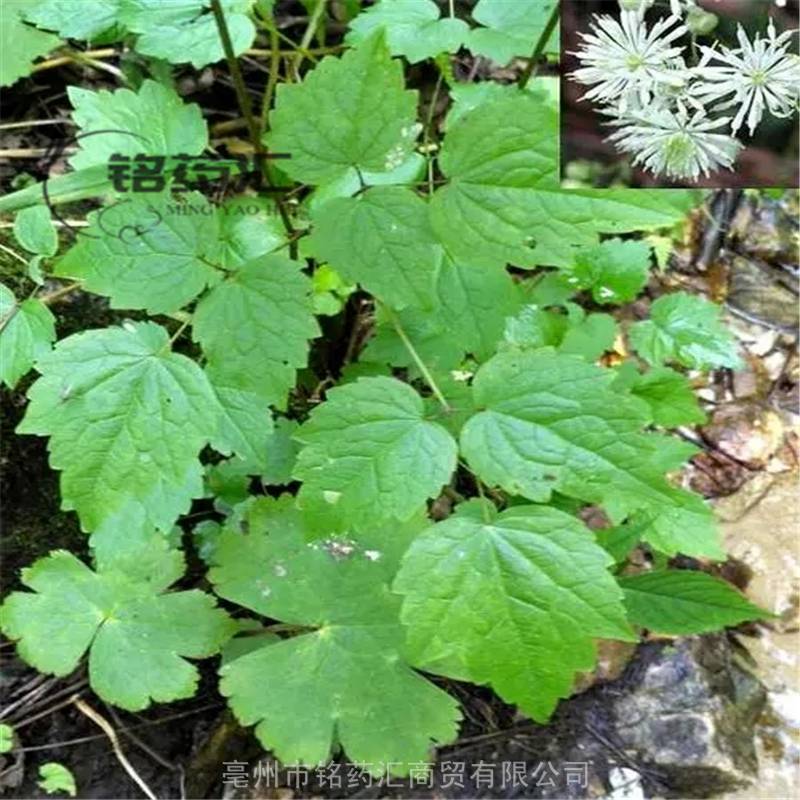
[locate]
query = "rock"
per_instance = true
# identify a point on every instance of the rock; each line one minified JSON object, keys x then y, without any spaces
{"x":760,"y":529}
{"x":626,"y":784}
{"x":762,"y":293}
{"x":766,"y":229}
{"x":691,"y":717}
{"x":747,"y":432}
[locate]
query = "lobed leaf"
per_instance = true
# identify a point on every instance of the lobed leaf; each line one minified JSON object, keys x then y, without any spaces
{"x":514,"y":600}
{"x":511,"y":29}
{"x":345,"y":680}
{"x":413,"y":28}
{"x":138,"y":636}
{"x":503,"y":203}
{"x":152,"y":121}
{"x":145,"y":253}
{"x":552,"y":422}
{"x":369,"y":455}
{"x":255,"y":326}
{"x":348,"y":112}
{"x":381,"y":239}
{"x":127,"y":419}
{"x":20,"y":44}
{"x":685,"y":328}
{"x":27,"y":331}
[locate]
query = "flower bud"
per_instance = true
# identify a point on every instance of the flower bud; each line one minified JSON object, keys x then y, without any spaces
{"x":635,"y":5}
{"x":701,"y":22}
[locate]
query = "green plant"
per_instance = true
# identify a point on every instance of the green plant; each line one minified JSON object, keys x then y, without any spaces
{"x":478,"y":387}
{"x":55,"y":777}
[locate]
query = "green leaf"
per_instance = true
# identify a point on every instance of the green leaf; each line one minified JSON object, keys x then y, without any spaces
{"x":588,"y":335}
{"x":687,"y":329}
{"x":670,"y":396}
{"x":470,"y":306}
{"x":20,"y":44}
{"x":511,"y":28}
{"x":246,"y":235}
{"x":89,"y":182}
{"x":95,"y":17}
{"x":552,"y":422}
{"x":615,"y":270}
{"x":369,"y":455}
{"x":55,"y":777}
{"x":33,"y":229}
{"x":413,"y":28}
{"x":137,"y":635}
{"x":574,"y":333}
{"x":144,"y":253}
{"x":245,"y":425}
{"x":228,"y":482}
{"x":186,"y":31}
{"x":549,"y":288}
{"x":144,"y":554}
{"x":533,"y":328}
{"x":467,"y":96}
{"x":410,"y":171}
{"x":27,"y":330}
{"x":504,"y":204}
{"x":513,"y":600}
{"x":255,"y":328}
{"x":330,"y":290}
{"x":281,"y":452}
{"x":154,"y":121}
{"x":621,"y":539}
{"x":126,"y":419}
{"x":6,"y":738}
{"x":681,"y":602}
{"x":381,"y":239}
{"x":427,"y":333}
{"x":348,"y":112}
{"x":345,"y":681}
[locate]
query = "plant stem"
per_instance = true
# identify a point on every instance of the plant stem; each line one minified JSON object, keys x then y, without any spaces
{"x":308,"y":53}
{"x":14,"y":253}
{"x":426,"y":135}
{"x":105,"y":726}
{"x":482,"y":495}
{"x":181,"y":328}
{"x":236,"y":74}
{"x":57,"y":294}
{"x":71,"y":56}
{"x":426,"y":373}
{"x":246,"y":108}
{"x":308,"y":35}
{"x":272,"y":80}
{"x":81,"y":58}
{"x":33,"y":123}
{"x":533,"y":63}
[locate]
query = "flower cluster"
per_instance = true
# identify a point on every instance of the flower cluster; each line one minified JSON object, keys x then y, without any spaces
{"x":679,"y":119}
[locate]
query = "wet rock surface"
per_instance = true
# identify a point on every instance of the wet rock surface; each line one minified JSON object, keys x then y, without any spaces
{"x":760,"y":528}
{"x":690,"y":718}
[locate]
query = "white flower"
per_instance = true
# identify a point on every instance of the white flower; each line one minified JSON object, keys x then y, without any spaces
{"x":760,"y":75}
{"x":675,"y":143}
{"x":621,"y":58}
{"x":677,"y":7}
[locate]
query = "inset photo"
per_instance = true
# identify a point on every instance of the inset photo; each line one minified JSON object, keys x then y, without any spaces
{"x":679,"y":93}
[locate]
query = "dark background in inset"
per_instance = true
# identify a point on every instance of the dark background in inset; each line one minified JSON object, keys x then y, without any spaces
{"x":770,"y":157}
